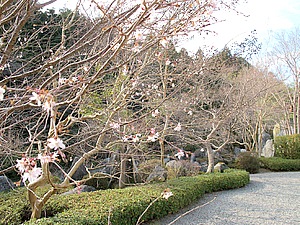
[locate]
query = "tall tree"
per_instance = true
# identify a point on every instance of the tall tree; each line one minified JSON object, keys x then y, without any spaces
{"x":286,"y":58}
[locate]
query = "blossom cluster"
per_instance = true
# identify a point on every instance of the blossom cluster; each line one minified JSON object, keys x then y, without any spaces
{"x":43,"y":98}
{"x":28,"y":169}
{"x":28,"y":166}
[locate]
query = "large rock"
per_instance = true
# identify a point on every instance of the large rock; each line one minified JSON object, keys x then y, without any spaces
{"x":6,"y":184}
{"x":220,"y":167}
{"x":182,"y":168}
{"x":265,"y":138}
{"x":158,"y":174}
{"x":268,"y":150}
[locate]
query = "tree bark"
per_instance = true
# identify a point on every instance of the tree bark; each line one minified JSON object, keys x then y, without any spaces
{"x":211,"y":158}
{"x":122,"y":176}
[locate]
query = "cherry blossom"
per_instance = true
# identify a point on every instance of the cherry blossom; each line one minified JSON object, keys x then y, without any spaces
{"x":136,"y":138}
{"x":32,"y":175}
{"x":29,"y":170}
{"x":48,"y":157}
{"x":139,"y":35}
{"x":178,"y":127}
{"x":2,"y":91}
{"x":126,"y":138}
{"x":62,"y":81}
{"x":164,"y":42}
{"x":55,"y":143}
{"x":155,"y":113}
{"x":25,"y":164}
{"x":35,"y":97}
{"x":115,"y":125}
{"x":47,"y":105}
{"x":168,"y":62}
{"x":180,"y":154}
{"x":167,"y":193}
{"x":153,"y":136}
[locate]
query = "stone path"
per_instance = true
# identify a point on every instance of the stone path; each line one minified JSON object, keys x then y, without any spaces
{"x":269,"y":199}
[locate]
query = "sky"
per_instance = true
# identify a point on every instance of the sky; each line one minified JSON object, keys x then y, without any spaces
{"x":267,"y":17}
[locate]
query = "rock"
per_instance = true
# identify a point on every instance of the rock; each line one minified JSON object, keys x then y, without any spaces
{"x":182,"y":168}
{"x":268,"y":150}
{"x":220,"y":167}
{"x":265,"y":138}
{"x":203,"y":167}
{"x":6,"y":184}
{"x":158,"y":174}
{"x":200,"y":153}
{"x":80,"y":189}
{"x":80,"y":172}
{"x":238,"y":151}
{"x":174,"y":164}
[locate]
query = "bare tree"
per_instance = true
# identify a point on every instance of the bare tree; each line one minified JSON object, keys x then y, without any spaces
{"x":285,"y":56}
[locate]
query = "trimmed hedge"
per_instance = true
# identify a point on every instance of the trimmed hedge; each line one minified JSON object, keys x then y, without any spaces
{"x":280,"y":164}
{"x":122,"y":206}
{"x":287,"y":146}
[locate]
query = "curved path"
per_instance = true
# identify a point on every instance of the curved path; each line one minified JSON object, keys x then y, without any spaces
{"x":269,"y":199}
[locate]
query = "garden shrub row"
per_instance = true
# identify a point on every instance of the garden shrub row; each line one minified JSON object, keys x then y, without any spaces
{"x":280,"y":164}
{"x":121,"y":206}
{"x":287,"y":146}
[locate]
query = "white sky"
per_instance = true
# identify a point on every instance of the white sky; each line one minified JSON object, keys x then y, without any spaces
{"x":265,"y":16}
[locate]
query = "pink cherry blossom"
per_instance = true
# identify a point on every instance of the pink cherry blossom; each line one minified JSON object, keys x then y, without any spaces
{"x":47,"y":106}
{"x":153,"y":136}
{"x":55,"y":143}
{"x":32,"y":175}
{"x":136,"y":138}
{"x":115,"y":125}
{"x":180,"y":154}
{"x":35,"y":97}
{"x":168,"y":62}
{"x":29,"y":170}
{"x":167,"y":194}
{"x":25,"y":164}
{"x":126,"y":138}
{"x":47,"y":158}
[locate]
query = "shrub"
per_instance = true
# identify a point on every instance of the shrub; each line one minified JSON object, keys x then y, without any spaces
{"x":248,"y":161}
{"x":280,"y":164}
{"x":123,"y":206}
{"x":288,"y":146}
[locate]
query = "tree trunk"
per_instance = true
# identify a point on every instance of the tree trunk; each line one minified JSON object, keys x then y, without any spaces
{"x":122,"y":176}
{"x":211,"y":158}
{"x":162,"y":152}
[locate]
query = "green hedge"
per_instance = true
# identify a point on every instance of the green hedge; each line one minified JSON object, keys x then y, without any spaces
{"x":122,"y":206}
{"x":288,"y":146}
{"x":280,"y":164}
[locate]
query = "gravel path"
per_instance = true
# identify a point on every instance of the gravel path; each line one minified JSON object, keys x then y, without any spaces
{"x":269,"y":199}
